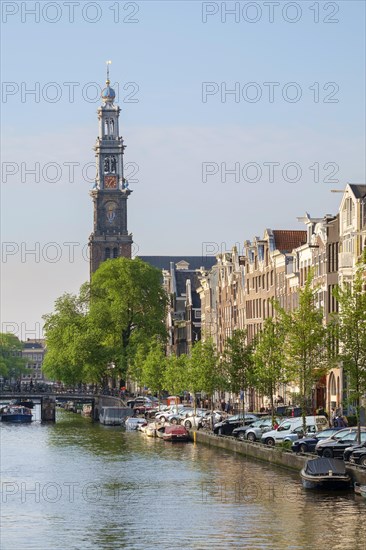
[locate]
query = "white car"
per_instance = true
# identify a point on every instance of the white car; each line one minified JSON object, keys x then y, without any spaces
{"x":195,"y":420}
{"x":162,"y":416}
{"x":289,"y":425}
{"x":176,"y":417}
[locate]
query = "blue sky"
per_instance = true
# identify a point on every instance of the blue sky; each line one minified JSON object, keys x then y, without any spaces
{"x":166,"y":56}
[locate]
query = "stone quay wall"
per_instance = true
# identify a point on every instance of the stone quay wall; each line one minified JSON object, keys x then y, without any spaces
{"x":272,"y":455}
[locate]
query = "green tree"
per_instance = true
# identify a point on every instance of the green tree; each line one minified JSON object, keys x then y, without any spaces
{"x":351,"y":325}
{"x":269,"y":371}
{"x":135,"y":370}
{"x":306,"y":344}
{"x":74,"y":350}
{"x":12,"y":364}
{"x":153,"y":368}
{"x":203,"y":373}
{"x":238,"y":365}
{"x":175,"y":376}
{"x":93,"y":336}
{"x":128,"y":306}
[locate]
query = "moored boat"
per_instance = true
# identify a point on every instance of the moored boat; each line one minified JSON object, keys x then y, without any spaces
{"x":16,"y":413}
{"x":23,"y":402}
{"x":151,"y":428}
{"x":132,"y":423}
{"x":114,"y":416}
{"x":325,"y":473}
{"x":87,"y":410}
{"x":173,"y":433}
{"x":360,"y":489}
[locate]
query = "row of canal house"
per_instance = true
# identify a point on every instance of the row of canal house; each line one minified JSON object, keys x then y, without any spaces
{"x":237,"y":292}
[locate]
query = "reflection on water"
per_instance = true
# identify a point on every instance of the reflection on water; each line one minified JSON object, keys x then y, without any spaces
{"x":80,"y":485}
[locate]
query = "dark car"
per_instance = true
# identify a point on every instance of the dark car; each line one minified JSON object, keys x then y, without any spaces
{"x":356,"y":455}
{"x":227,"y":426}
{"x":335,"y":446}
{"x":307,"y":444}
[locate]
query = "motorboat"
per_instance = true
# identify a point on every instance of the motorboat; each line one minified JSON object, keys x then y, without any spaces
{"x":173,"y":433}
{"x":87,"y":410}
{"x":324,"y":473}
{"x":150,"y":429}
{"x":133,"y":423}
{"x":360,"y":489}
{"x":24,"y":403}
{"x":16,"y":413}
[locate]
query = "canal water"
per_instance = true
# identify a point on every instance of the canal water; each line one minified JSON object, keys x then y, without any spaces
{"x":79,"y":485}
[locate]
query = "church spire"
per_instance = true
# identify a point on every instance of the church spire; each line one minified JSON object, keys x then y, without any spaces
{"x":110,"y":238}
{"x":108,"y":95}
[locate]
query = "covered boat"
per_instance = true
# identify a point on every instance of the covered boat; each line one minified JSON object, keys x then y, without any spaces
{"x":16,"y":413}
{"x":325,"y":473}
{"x":173,"y":433}
{"x":114,"y":416}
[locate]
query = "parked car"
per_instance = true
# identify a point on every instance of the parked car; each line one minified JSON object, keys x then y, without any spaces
{"x":226,"y":427}
{"x":353,"y":450}
{"x":255,"y":430}
{"x":162,"y":416}
{"x":298,"y":433}
{"x":192,"y":420}
{"x":176,"y":417}
{"x":141,"y":404}
{"x":335,"y":446}
{"x":307,"y":444}
{"x":288,"y":426}
{"x":358,"y":455}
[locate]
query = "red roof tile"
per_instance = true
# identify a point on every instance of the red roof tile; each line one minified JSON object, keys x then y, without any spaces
{"x":287,"y":240}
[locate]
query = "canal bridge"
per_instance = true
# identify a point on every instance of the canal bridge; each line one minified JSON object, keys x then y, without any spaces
{"x":48,"y":399}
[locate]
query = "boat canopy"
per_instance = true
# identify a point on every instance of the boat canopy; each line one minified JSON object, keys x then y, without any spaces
{"x":175,"y":430}
{"x":322,"y":466}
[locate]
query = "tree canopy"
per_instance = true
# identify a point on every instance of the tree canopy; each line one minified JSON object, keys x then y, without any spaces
{"x":12,"y":364}
{"x":351,"y":331}
{"x":305,"y":344}
{"x":238,"y":364}
{"x":94,"y":334}
{"x":269,"y":368}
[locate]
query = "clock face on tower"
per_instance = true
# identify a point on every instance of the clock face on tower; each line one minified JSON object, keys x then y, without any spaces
{"x":110,"y":182}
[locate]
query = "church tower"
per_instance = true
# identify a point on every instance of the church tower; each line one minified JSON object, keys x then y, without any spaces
{"x":110,"y":238}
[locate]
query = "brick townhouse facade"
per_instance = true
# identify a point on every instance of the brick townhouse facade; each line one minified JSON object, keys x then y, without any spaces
{"x":238,"y":291}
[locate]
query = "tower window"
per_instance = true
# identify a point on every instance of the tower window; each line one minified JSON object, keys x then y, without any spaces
{"x":107,"y":253}
{"x":115,"y":252}
{"x":110,"y":165}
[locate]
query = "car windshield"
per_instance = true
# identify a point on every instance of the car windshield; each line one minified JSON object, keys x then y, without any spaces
{"x":325,"y":434}
{"x":285,"y":426}
{"x":258,"y":423}
{"x":340,"y":434}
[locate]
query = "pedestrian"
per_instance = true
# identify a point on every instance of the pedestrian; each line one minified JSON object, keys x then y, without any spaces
{"x":223,"y":405}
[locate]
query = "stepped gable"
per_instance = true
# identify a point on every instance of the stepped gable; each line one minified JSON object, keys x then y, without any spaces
{"x":195,"y":262}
